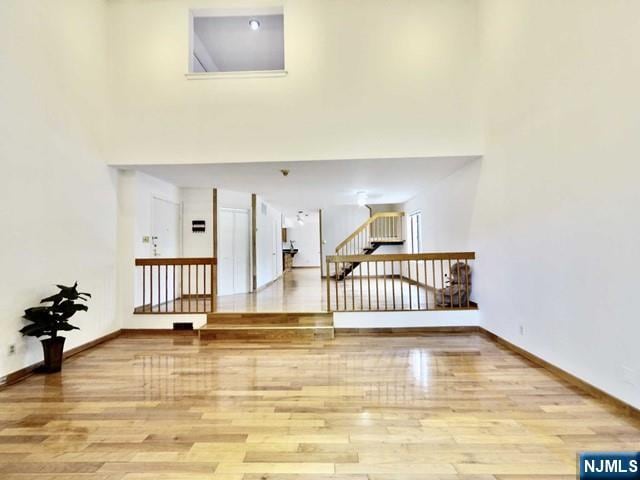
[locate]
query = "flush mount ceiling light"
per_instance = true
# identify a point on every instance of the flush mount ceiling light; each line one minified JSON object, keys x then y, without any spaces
{"x":254,"y":24}
{"x":362,"y":199}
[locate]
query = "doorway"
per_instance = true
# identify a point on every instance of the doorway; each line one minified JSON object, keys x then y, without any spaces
{"x":233,"y":251}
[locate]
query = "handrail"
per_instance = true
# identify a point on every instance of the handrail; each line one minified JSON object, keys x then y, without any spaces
{"x":176,"y":261}
{"x":175,"y":285}
{"x":363,"y":230}
{"x":399,"y":257}
{"x":400,"y":282}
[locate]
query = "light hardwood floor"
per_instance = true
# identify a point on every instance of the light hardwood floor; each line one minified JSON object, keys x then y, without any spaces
{"x":437,"y":407}
{"x":303,"y":290}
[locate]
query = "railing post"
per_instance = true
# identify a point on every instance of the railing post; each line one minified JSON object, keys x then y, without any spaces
{"x":328,"y":286}
{"x":213,"y":285}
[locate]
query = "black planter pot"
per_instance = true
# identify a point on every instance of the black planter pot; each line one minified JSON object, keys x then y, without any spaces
{"x":53,"y":349}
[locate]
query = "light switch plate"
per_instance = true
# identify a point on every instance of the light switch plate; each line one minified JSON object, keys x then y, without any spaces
{"x":146,"y":239}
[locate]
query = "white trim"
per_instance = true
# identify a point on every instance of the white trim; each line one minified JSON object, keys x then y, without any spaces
{"x":248,"y":74}
{"x":433,"y":318}
{"x":236,"y":12}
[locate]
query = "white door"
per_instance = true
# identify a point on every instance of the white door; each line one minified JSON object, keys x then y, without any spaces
{"x":165,"y":228}
{"x":241,"y":252}
{"x":233,"y":251}
{"x":165,"y":242}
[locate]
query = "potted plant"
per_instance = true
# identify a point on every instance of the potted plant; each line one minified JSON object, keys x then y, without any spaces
{"x":51,"y":319}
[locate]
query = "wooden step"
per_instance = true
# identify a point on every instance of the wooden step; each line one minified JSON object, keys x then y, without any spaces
{"x":271,"y":318}
{"x":268,"y":331}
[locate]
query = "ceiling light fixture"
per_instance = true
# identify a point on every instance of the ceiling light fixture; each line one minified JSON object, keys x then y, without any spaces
{"x":254,"y":24}
{"x":362,"y":199}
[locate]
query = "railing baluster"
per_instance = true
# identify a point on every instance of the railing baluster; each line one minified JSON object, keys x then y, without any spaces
{"x":384,"y":282}
{"x":182,"y":288}
{"x":159,"y":288}
{"x":344,"y":283}
{"x":353,"y":287}
{"x":435,"y":286}
{"x":335,"y":268}
{"x":442,"y":280}
{"x":393,"y":285}
{"x":409,"y":283}
{"x":328,"y":285}
{"x":369,"y":283}
{"x":466,"y":275}
{"x":400,"y":277}
{"x":166,"y":288}
{"x":450,"y":286}
{"x":189,"y":298}
{"x":151,"y":288}
{"x":144,"y":286}
{"x":426,"y":284}
{"x":377,"y":289}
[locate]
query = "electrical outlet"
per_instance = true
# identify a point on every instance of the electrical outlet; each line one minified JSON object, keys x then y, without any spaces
{"x":521,"y":329}
{"x":12,"y":349}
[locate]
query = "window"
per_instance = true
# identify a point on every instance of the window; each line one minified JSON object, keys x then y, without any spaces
{"x":415,"y":232}
{"x":226,"y":41}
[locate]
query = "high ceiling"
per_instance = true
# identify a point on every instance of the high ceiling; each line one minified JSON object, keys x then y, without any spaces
{"x":316,"y":184}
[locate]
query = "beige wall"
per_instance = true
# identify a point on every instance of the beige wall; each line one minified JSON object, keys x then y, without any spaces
{"x":366,"y":79}
{"x":550,"y":209}
{"x":58,"y":203}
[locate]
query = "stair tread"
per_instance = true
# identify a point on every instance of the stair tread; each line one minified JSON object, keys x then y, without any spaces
{"x":266,"y":326}
{"x":257,"y":326}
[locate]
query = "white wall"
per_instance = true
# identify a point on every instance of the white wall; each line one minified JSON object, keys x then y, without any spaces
{"x":447,"y":210}
{"x":555,"y":223}
{"x":337,"y":224}
{"x":306,"y":239}
{"x":136,"y":191}
{"x":58,"y":198}
{"x":197,"y":205}
{"x":366,"y":80}
{"x":549,"y":208}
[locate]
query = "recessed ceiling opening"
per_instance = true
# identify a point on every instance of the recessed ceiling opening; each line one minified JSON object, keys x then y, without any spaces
{"x":244,"y":41}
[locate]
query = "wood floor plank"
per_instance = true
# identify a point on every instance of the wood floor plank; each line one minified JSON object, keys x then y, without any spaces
{"x":427,"y":407}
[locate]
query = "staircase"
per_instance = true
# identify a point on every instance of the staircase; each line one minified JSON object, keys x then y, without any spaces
{"x":268,"y":326}
{"x":383,"y":228}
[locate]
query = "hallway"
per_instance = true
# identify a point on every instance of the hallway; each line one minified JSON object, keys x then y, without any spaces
{"x":299,"y":290}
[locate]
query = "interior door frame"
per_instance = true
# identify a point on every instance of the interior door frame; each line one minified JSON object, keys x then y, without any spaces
{"x":248,"y":213}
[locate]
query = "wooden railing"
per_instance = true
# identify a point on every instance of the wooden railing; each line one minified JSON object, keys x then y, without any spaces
{"x":383,"y":227}
{"x":175,"y":285}
{"x":399,"y":282}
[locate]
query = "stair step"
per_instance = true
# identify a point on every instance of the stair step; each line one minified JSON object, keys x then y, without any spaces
{"x":266,"y":332}
{"x":271,"y":318}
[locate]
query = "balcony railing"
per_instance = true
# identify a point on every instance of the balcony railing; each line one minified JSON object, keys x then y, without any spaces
{"x":175,"y":285}
{"x":400,"y":282}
